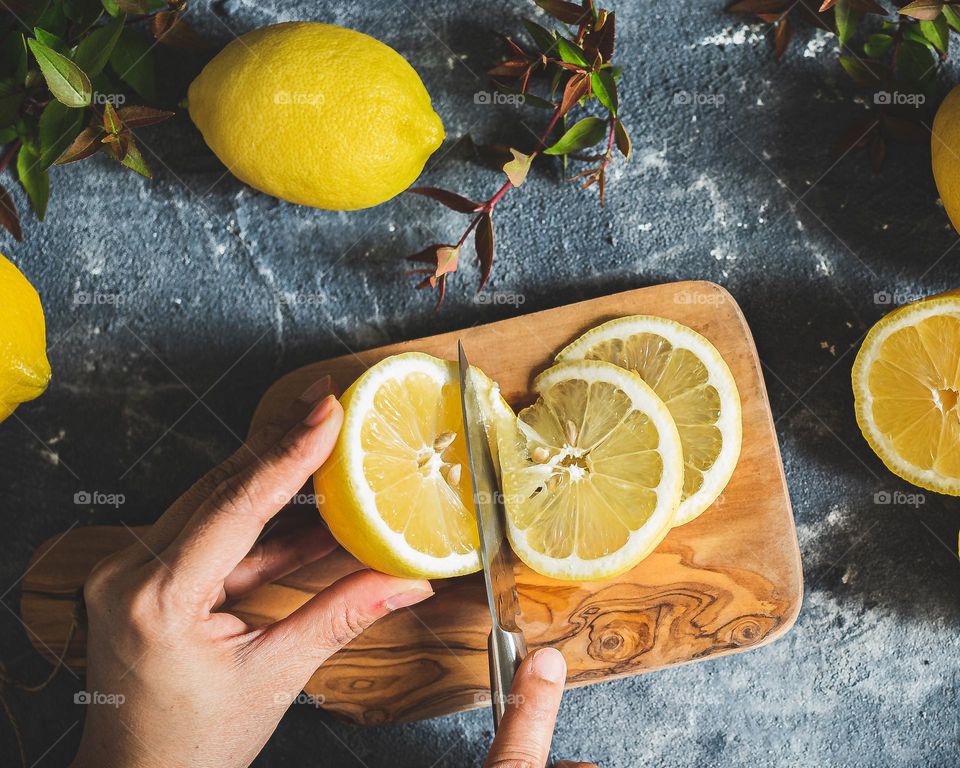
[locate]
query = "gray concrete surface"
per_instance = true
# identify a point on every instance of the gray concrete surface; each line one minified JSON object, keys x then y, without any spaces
{"x":747,"y":193}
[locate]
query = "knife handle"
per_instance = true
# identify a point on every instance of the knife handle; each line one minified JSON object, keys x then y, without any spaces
{"x":505,"y":650}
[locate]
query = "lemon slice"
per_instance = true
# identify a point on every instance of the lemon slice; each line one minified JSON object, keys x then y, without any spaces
{"x":689,"y":375}
{"x":592,"y":471}
{"x":396,"y":492}
{"x":906,"y":382}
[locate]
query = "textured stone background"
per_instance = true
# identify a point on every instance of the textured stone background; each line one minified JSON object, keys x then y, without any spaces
{"x":151,"y":389}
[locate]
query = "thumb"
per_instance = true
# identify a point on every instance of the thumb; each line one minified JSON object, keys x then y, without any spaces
{"x":337,"y":615}
{"x":526,"y":730}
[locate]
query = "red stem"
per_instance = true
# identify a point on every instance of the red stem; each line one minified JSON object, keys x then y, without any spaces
{"x":9,"y":155}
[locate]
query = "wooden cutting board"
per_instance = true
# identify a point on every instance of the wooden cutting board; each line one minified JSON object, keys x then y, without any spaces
{"x":727,"y":582}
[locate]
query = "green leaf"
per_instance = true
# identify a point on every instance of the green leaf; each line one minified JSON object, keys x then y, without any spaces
{"x":847,"y":20}
{"x":528,"y":99}
{"x":605,"y":89}
{"x":34,"y":179}
{"x":622,"y":139}
{"x":937,"y":32}
{"x":83,"y":13}
{"x":48,"y":38}
{"x":915,"y":62}
{"x":952,"y":17}
{"x":11,"y":97}
{"x":135,"y":162}
{"x":94,"y":50}
{"x":111,"y":7}
{"x":59,"y":126}
{"x":132,"y":60}
{"x":877,"y":45}
{"x":859,"y":72}
{"x":583,"y":134}
{"x":545,"y":40}
{"x":571,"y":53}
{"x":67,"y":82}
{"x":7,"y":134}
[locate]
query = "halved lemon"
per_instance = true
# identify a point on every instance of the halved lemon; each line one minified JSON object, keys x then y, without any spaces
{"x":592,"y":471}
{"x":396,"y":492}
{"x":906,"y":382}
{"x":689,"y":375}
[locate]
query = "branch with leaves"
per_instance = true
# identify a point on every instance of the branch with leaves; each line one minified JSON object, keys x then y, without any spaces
{"x":65,"y":66}
{"x":574,"y":70}
{"x":894,"y":55}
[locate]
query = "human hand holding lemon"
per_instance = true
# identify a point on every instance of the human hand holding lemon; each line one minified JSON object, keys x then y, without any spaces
{"x":316,"y":114}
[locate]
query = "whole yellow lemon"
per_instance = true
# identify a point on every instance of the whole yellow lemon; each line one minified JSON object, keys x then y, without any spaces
{"x":24,"y":370}
{"x":316,"y":114}
{"x":945,"y":150}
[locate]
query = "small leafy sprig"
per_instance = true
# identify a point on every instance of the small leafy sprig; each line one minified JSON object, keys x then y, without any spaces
{"x":574,"y":66}
{"x":894,"y":56}
{"x":64,"y":68}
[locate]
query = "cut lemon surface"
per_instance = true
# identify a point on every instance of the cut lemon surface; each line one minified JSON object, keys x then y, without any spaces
{"x":906,"y":381}
{"x":689,"y":375}
{"x":592,"y":471}
{"x":396,"y":492}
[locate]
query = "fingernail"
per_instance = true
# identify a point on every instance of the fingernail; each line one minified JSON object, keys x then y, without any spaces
{"x":320,"y":388}
{"x":548,"y":664}
{"x":406,"y":599}
{"x":320,"y":411}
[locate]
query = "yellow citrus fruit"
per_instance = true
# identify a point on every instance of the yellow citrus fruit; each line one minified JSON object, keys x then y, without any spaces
{"x":592,"y":472}
{"x":396,"y":492}
{"x":24,"y":370}
{"x":945,"y":154}
{"x":906,"y":382}
{"x":316,"y":114}
{"x":689,"y":375}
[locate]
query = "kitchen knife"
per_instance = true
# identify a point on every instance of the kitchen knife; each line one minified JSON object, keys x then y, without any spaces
{"x":506,"y":645}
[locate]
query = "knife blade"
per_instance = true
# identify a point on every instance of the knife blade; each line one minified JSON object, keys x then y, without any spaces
{"x":506,"y":645}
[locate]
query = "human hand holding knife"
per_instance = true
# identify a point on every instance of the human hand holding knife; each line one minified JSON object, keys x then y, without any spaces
{"x":525,"y":690}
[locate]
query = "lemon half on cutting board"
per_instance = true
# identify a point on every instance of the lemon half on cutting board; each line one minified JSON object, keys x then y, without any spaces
{"x":592,"y":471}
{"x":396,"y":491}
{"x":689,"y":375}
{"x":906,"y":381}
